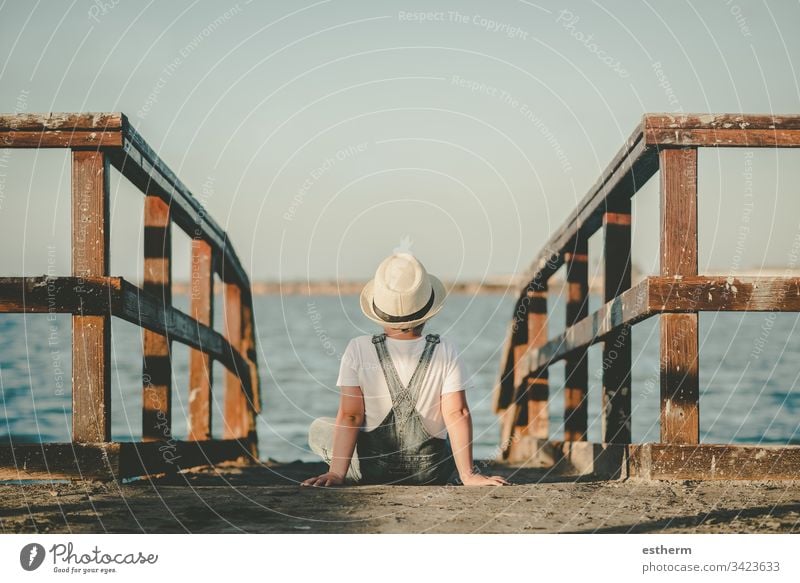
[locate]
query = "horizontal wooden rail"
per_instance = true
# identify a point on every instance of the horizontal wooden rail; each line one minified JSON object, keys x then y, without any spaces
{"x":658,"y":461}
{"x":61,"y":130}
{"x":627,"y":308}
{"x":655,"y":295}
{"x":114,"y":296}
{"x":114,"y":460}
{"x":710,"y":293}
{"x":723,"y":130}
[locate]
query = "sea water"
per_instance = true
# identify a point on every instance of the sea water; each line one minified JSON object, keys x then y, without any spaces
{"x":748,"y":373}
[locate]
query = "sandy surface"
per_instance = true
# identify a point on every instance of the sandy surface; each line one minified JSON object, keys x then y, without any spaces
{"x":268,"y":499}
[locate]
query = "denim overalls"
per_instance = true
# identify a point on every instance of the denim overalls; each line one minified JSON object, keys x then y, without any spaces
{"x":400,"y":450}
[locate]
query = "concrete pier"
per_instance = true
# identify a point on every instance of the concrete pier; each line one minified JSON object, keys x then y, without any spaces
{"x":267,"y":499}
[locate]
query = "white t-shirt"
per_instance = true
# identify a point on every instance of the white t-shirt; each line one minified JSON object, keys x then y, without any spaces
{"x":360,"y":367}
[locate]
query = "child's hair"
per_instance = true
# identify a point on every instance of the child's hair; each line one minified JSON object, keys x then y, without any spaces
{"x":416,"y":329}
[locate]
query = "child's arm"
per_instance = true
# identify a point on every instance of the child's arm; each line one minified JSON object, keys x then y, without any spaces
{"x":348,"y":423}
{"x":459,"y":426}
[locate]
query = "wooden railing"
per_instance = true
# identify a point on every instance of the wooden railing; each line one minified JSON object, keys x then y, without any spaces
{"x":660,"y":143}
{"x":92,"y":296}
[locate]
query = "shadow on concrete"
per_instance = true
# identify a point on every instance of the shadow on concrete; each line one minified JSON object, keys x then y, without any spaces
{"x":291,"y":474}
{"x":722,"y":515}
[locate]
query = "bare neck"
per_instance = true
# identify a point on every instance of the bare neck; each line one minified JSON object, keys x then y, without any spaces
{"x":398,"y":335}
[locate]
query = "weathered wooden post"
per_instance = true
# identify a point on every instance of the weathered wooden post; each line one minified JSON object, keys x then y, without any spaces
{"x":91,"y":335}
{"x":537,"y":387}
{"x":504,"y":389}
{"x":520,"y":396}
{"x":249,"y":352}
{"x":236,"y":422}
{"x":576,"y":369}
{"x":157,"y":365}
{"x":680,"y":419}
{"x":616,"y":417}
{"x":505,"y":392}
{"x":200,"y":363}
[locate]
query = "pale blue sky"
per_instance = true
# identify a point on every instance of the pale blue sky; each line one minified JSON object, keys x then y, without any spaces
{"x":472,"y":133}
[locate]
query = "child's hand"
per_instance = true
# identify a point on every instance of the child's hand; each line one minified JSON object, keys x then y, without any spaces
{"x":326,"y":479}
{"x":481,"y":480}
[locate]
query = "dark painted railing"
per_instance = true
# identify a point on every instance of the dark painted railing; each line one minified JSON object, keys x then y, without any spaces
{"x":97,"y":142}
{"x":669,"y":145}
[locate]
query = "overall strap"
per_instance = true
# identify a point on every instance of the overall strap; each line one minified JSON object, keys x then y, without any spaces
{"x":404,"y":398}
{"x":431,"y":340}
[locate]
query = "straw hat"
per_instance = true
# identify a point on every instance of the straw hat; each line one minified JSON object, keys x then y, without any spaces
{"x":402,"y":294}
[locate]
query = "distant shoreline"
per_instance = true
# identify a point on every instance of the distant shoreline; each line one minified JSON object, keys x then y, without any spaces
{"x":349,"y":287}
{"x":499,"y":284}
